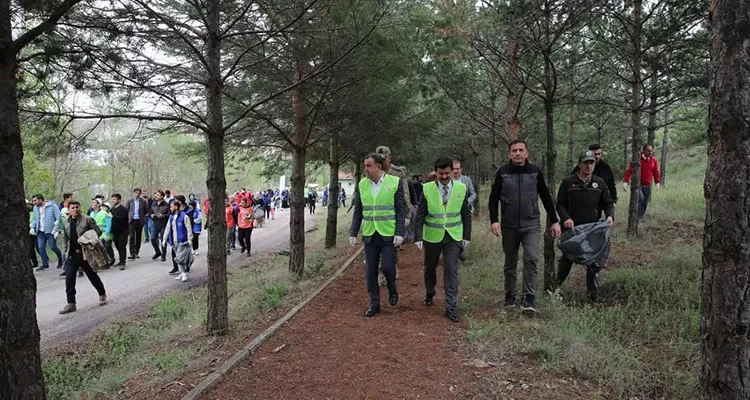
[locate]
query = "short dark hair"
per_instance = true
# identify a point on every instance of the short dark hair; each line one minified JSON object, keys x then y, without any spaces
{"x":167,"y":192}
{"x":137,"y":190}
{"x":177,"y":203}
{"x":161,"y":192}
{"x":378,"y":158}
{"x":74,"y":203}
{"x":647,"y":145}
{"x":517,"y":141}
{"x":38,"y":196}
{"x":456,"y":160}
{"x":595,"y":146}
{"x":99,"y":196}
{"x":180,"y":198}
{"x":443,"y":162}
{"x":67,"y":196}
{"x":116,"y":196}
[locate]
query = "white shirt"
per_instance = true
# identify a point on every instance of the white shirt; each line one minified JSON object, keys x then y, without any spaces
{"x":41,"y":217}
{"x":450,"y":187}
{"x":376,"y":186}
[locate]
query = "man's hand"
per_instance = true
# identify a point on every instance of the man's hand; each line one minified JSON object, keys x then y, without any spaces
{"x":569,"y":224}
{"x":32,"y":232}
{"x":352,"y":241}
{"x":555,"y":228}
{"x":419,"y":245}
{"x":625,"y":186}
{"x":465,"y":243}
{"x":496,"y":229}
{"x":398,"y":241}
{"x":610,"y":221}
{"x":658,"y":185}
{"x":55,"y":235}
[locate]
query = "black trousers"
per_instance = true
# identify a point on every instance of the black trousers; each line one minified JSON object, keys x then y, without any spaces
{"x":268,"y":211}
{"x":33,"y":250}
{"x":244,"y":237}
{"x":379,"y":250}
{"x":136,"y":235}
{"x":121,"y":242}
{"x":196,"y":236}
{"x":563,"y":269}
{"x":72,"y":264}
{"x":450,"y":249}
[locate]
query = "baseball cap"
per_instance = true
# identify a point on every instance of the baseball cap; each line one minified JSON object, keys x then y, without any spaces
{"x":587,"y":155}
{"x":383,"y":150}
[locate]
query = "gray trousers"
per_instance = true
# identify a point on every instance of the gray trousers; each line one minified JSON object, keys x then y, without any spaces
{"x":450,"y":249}
{"x":513,"y":239}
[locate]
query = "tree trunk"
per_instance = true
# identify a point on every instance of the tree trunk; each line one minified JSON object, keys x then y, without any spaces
{"x":664,"y":149}
{"x":514,"y":91}
{"x":725,"y":309}
{"x":635,"y":120}
{"x":297,"y":193}
{"x":652,"y":112}
{"x":20,"y":362}
{"x":550,"y":277}
{"x":333,"y":192}
{"x":571,"y":133}
{"x":217,"y":316}
{"x":599,"y":134}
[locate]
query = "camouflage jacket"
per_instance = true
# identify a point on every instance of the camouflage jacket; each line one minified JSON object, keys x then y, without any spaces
{"x":400,"y":172}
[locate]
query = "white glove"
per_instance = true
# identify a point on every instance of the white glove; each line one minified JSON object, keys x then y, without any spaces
{"x":32,"y":232}
{"x":658,"y":185}
{"x":466,"y":243}
{"x":398,"y":241}
{"x":56,"y":234}
{"x":625,"y":186}
{"x":419,"y":245}
{"x":352,"y":241}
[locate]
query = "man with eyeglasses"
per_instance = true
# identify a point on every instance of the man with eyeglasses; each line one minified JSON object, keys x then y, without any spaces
{"x":602,"y":170}
{"x":581,"y":199}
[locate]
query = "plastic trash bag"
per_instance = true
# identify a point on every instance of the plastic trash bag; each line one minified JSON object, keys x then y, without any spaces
{"x":586,"y":244}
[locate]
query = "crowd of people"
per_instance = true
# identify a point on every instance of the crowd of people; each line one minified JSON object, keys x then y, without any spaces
{"x":436,"y":215}
{"x":112,"y":232}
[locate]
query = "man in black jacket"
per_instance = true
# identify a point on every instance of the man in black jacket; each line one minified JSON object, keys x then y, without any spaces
{"x":137,"y":210}
{"x":120,"y":227}
{"x":602,"y":170}
{"x":581,"y":199}
{"x":517,"y":188}
{"x":159,"y":215}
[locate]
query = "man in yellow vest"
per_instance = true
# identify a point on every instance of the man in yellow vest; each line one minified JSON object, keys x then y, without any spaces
{"x":443,"y":224}
{"x":379,"y":207}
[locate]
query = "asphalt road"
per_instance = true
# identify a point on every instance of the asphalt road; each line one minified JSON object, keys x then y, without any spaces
{"x":130,"y":290}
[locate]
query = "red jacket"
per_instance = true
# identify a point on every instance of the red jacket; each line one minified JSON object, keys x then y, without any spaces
{"x":649,"y":168}
{"x":229,"y":216}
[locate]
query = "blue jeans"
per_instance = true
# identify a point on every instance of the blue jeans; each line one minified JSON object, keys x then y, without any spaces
{"x":644,"y":197}
{"x":147,"y":229}
{"x":42,"y":239}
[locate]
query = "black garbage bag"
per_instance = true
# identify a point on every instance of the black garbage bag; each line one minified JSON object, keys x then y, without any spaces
{"x":586,"y":244}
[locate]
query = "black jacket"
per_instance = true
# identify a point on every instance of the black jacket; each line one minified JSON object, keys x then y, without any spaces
{"x":119,"y":219}
{"x":518,"y":189}
{"x":603,"y":170}
{"x":583,"y":202}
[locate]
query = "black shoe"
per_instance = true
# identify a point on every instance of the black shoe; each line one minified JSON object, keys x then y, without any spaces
{"x":157,"y":255}
{"x":242,"y":251}
{"x":234,"y":248}
{"x":121,"y":263}
{"x":131,"y":258}
{"x":528,"y":303}
{"x":42,"y":268}
{"x":428,"y":300}
{"x":187,"y":269}
{"x":62,"y":274}
{"x":122,"y":267}
{"x":510,"y":300}
{"x":462,"y":257}
{"x":372,"y":311}
{"x":163,"y":258}
{"x":229,"y":252}
{"x":594,"y":298}
{"x":393,"y":299}
{"x":174,"y":271}
{"x":137,"y":256}
{"x":452,"y":314}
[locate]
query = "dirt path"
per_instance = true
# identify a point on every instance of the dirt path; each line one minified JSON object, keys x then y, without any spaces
{"x":330,"y":351}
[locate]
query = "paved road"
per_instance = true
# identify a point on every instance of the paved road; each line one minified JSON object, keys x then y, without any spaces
{"x":129,"y":290}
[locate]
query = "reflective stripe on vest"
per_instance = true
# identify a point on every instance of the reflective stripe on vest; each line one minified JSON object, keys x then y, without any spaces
{"x":379,"y":213}
{"x":441,"y":219}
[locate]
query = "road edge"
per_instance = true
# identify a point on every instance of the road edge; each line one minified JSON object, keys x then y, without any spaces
{"x":213,"y":379}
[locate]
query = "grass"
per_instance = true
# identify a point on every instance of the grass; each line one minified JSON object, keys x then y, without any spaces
{"x":644,"y":342}
{"x":163,"y":341}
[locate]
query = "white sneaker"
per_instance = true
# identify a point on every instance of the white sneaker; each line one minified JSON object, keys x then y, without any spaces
{"x":184,"y":277}
{"x":178,"y":277}
{"x":195,"y":253}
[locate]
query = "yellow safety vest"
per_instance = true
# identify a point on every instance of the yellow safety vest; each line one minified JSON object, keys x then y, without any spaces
{"x":379,"y":213}
{"x":440,"y":218}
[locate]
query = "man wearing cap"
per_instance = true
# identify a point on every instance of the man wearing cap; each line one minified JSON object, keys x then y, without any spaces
{"x":379,"y":206}
{"x":400,"y":173}
{"x":602,"y":170}
{"x":580,"y":200}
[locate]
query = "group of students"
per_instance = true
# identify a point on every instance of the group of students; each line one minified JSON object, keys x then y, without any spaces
{"x":245,"y":211}
{"x":443,"y":222}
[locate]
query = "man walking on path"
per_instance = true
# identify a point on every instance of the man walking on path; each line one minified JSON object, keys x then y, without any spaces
{"x":46,"y":228}
{"x":380,"y":204}
{"x":159,"y":215}
{"x":443,"y":221}
{"x":400,"y":173}
{"x":75,"y":226}
{"x":33,"y":247}
{"x":602,"y":170}
{"x":581,"y":199}
{"x":649,"y":171}
{"x":119,"y":227}
{"x":457,"y":175}
{"x":137,"y":209}
{"x":517,"y":188}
